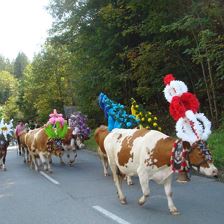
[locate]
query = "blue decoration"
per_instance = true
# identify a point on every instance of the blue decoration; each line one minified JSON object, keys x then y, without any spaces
{"x":115,"y":114}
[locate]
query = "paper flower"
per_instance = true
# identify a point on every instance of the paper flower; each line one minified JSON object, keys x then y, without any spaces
{"x":78,"y":122}
{"x":6,"y":130}
{"x":191,"y":126}
{"x":55,"y":117}
{"x":57,"y":131}
{"x":147,"y":120}
{"x":116,"y":114}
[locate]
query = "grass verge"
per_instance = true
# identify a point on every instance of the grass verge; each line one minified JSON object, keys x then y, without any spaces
{"x":216,"y":145}
{"x":91,"y":143}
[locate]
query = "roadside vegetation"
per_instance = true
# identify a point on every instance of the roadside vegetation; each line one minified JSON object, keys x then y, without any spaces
{"x":123,"y":48}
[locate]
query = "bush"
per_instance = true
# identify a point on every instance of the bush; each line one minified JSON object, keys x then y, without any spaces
{"x":216,"y":145}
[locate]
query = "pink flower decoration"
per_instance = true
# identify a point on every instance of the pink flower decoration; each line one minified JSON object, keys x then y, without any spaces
{"x":54,"y":117}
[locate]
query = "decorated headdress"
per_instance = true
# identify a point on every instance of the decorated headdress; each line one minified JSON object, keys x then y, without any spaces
{"x":6,"y":129}
{"x":146,"y":119}
{"x":55,"y":117}
{"x":191,"y":126}
{"x":78,"y":122}
{"x":115,"y":113}
{"x":56,"y":127}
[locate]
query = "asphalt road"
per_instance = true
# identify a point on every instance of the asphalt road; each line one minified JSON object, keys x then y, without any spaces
{"x":82,"y":195}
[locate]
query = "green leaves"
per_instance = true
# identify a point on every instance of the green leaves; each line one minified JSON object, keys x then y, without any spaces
{"x":57,"y":132}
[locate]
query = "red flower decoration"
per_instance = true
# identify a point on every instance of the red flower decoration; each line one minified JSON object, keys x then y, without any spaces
{"x":168,"y":78}
{"x":179,"y":105}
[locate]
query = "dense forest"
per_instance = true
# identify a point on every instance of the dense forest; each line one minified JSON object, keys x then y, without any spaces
{"x":123,"y":48}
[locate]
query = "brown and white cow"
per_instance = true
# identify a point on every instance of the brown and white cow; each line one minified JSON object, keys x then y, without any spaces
{"x":45,"y":148}
{"x":147,"y":154}
{"x":32,"y":155}
{"x":22,"y":145}
{"x":3,"y":152}
{"x":100,"y":135}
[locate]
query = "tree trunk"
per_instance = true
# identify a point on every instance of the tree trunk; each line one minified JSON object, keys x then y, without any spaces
{"x":207,"y":90}
{"x":213,"y":91}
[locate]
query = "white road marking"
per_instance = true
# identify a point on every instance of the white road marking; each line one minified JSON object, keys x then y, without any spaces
{"x":110,"y":215}
{"x":49,"y":178}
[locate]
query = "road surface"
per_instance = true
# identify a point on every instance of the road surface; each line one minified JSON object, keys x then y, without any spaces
{"x":82,"y":195}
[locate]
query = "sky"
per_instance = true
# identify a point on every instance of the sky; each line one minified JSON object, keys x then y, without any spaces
{"x":24,"y":26}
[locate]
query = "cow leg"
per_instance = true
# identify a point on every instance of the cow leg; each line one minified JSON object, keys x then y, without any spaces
{"x":43,"y":160}
{"x":144,"y":182}
{"x":19,"y":145}
{"x":104,"y":161}
{"x":117,"y":180}
{"x":4,"y":159}
{"x":3,"y":164}
{"x":105,"y":165}
{"x":61,"y":160}
{"x":32,"y":156}
{"x":168,"y":191}
{"x":34,"y":162}
{"x":25,"y":155}
{"x":129,"y":180}
{"x":48,"y":156}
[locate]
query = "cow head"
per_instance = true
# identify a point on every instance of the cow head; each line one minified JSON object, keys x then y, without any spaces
{"x":55,"y":145}
{"x":200,"y":159}
{"x":70,"y":147}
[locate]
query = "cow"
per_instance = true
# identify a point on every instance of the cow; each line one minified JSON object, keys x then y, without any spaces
{"x":22,"y":145}
{"x":3,"y":152}
{"x":99,"y":135}
{"x":46,"y":147}
{"x":32,"y":156}
{"x":147,"y":153}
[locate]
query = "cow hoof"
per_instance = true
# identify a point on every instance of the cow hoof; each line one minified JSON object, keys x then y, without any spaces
{"x":106,"y":174}
{"x":175,"y":212}
{"x":130,"y":183}
{"x":123,"y":201}
{"x":4,"y":169}
{"x":141,"y":202}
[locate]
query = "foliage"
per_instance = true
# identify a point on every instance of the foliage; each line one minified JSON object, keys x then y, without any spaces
{"x":91,"y":143}
{"x":6,"y":65}
{"x":20,"y":64}
{"x":215,"y":142}
{"x":8,"y":86}
{"x":124,"y":48}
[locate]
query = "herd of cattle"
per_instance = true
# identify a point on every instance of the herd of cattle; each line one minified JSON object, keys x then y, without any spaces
{"x":128,"y":152}
{"x":37,"y":148}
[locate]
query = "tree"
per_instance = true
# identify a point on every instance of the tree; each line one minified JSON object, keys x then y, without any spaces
{"x":6,"y":65}
{"x":20,"y":64}
{"x":8,"y":86}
